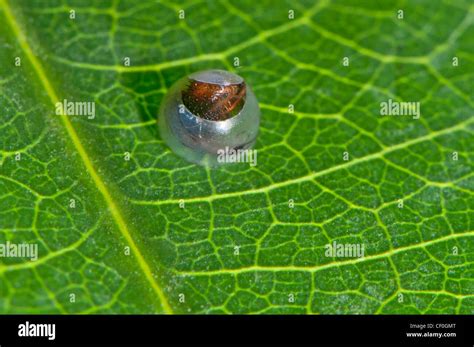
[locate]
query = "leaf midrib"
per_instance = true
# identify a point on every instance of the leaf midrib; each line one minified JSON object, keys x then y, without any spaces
{"x":113,"y":208}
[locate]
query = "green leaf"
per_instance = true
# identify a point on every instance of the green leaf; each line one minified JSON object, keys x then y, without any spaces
{"x":155,"y":234}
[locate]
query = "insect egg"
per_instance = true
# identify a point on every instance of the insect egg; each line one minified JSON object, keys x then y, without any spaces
{"x":207,"y":112}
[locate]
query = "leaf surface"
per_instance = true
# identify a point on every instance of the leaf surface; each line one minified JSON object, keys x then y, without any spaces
{"x":155,"y":234}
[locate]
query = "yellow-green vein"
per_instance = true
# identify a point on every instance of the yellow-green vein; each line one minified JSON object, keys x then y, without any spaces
{"x":114,"y":209}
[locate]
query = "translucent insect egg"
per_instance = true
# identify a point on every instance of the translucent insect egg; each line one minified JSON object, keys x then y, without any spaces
{"x":207,"y":112}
